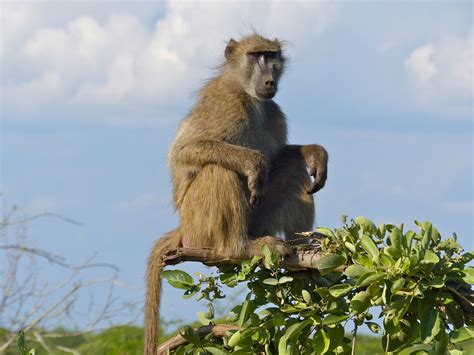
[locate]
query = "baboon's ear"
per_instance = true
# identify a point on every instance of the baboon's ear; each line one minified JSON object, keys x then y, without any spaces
{"x":230,"y":48}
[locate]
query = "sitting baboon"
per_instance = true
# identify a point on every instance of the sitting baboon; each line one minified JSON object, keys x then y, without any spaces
{"x":236,"y":181}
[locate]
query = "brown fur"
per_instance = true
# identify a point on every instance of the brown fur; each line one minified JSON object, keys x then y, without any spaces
{"x":230,"y":151}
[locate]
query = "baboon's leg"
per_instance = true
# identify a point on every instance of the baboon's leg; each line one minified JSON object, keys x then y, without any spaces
{"x":286,"y":207}
{"x":214,"y":212}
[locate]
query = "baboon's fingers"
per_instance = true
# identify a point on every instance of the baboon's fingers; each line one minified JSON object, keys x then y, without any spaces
{"x":318,"y":182}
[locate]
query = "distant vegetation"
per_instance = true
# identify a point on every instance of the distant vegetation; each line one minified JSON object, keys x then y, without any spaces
{"x":128,"y":340}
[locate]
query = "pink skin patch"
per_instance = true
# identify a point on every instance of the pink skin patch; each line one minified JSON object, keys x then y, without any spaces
{"x":185,"y":242}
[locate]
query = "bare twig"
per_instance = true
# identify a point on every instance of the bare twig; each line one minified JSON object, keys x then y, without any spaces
{"x":43,"y":343}
{"x":219,"y":330}
{"x":26,"y":303}
{"x":56,"y":259}
{"x":67,"y":350}
{"x":42,"y":215}
{"x":354,"y":339}
{"x":463,"y":297}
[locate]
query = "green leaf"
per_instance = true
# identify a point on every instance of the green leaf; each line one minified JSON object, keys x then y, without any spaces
{"x":203,"y":319}
{"x":306,"y":296}
{"x":335,"y":318}
{"x":382,"y":230}
{"x":267,"y":257}
{"x":190,"y":335}
{"x":370,"y":278}
{"x":190,"y":292}
{"x":374,"y":327}
{"x":214,"y":350}
{"x":430,"y":321}
{"x":284,"y":279}
{"x":278,"y":319}
{"x":270,"y":281}
{"x":395,"y":248}
{"x":350,"y":246}
{"x":362,"y":259}
{"x":329,"y":263}
{"x":291,"y":332}
{"x":397,"y":284}
{"x":287,"y":308}
{"x":22,"y":343}
{"x":386,"y":260}
{"x":247,"y":309}
{"x":355,"y":271}
{"x":416,"y":349}
{"x":438,"y":281}
{"x":369,"y":245}
{"x":463,"y":334}
{"x":325,"y":231}
{"x":450,"y":244}
{"x":468,"y":275}
{"x":340,"y":290}
{"x":336,"y":336}
{"x":366,"y":225}
{"x":430,"y":258}
{"x":321,"y":342}
{"x":426,"y":238}
{"x":455,"y":314}
{"x":360,"y":302}
{"x":178,"y":279}
{"x":235,"y":339}
{"x":408,"y":237}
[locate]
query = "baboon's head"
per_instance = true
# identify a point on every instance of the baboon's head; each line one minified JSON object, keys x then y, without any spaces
{"x":257,"y":63}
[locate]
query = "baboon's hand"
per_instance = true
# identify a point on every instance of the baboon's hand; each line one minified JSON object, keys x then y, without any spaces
{"x":316,"y":159}
{"x":257,"y":177}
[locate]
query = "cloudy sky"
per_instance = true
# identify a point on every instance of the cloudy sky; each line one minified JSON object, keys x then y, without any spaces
{"x":92,"y":93}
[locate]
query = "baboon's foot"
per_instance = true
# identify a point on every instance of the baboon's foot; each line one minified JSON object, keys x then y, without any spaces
{"x":273,"y":243}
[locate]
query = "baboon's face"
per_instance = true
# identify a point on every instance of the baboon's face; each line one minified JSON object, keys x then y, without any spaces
{"x":265,"y":71}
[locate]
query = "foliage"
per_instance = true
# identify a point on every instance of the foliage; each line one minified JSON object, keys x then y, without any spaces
{"x":117,"y":340}
{"x":413,"y":279}
{"x":124,"y":340}
{"x":22,"y":345}
{"x":128,"y":340}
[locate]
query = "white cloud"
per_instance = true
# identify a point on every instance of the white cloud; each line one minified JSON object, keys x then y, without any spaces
{"x":121,"y":59}
{"x":443,"y":74}
{"x":420,"y":63}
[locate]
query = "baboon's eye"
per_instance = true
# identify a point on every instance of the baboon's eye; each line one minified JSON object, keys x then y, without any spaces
{"x":254,"y":55}
{"x":271,"y":55}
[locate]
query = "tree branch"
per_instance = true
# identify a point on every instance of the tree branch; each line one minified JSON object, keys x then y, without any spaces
{"x":300,"y":260}
{"x":219,"y":330}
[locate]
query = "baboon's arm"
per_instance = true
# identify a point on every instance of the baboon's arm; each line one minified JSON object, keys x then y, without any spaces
{"x":232,"y":157}
{"x":315,"y":158}
{"x":248,"y":162}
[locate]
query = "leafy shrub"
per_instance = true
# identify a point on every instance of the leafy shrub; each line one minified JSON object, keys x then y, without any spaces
{"x":125,"y":340}
{"x":418,"y":285}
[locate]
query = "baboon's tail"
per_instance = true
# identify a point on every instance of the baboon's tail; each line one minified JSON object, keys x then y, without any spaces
{"x":168,"y":242}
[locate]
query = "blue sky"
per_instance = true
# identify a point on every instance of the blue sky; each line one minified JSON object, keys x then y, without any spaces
{"x":92,"y":93}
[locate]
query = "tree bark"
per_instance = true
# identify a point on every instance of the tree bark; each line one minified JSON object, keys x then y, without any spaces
{"x":300,"y":260}
{"x":218,"y":330}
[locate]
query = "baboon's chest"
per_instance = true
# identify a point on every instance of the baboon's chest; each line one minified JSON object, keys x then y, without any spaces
{"x":257,"y":132}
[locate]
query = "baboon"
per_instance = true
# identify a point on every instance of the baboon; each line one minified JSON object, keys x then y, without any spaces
{"x":236,"y":181}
